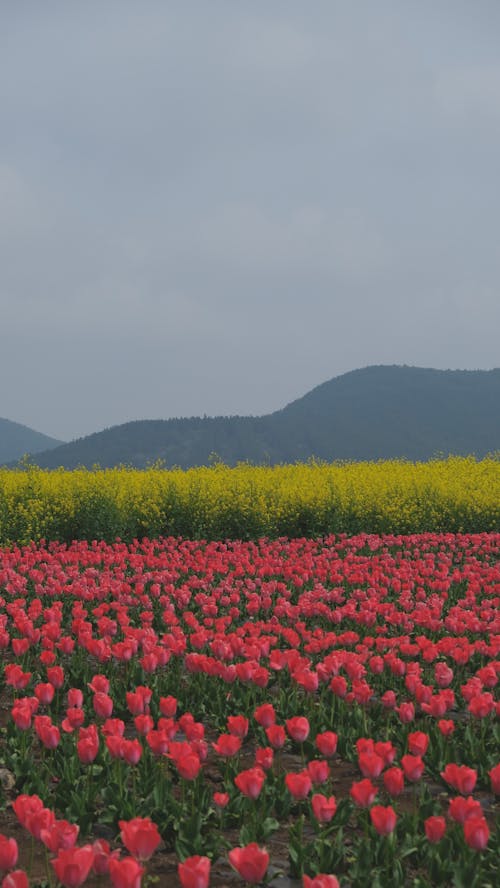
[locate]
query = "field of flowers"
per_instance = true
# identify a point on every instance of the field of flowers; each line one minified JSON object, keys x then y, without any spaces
{"x":247,"y":502}
{"x":307,"y":712}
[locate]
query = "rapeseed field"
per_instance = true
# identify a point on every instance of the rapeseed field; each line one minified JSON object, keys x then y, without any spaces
{"x":248,"y":502}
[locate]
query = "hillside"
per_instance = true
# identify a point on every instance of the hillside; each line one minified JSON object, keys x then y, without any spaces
{"x":374,"y":413}
{"x":17,"y":439}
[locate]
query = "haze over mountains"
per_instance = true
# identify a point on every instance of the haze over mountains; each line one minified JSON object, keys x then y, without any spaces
{"x":378,"y":412}
{"x":17,"y":439}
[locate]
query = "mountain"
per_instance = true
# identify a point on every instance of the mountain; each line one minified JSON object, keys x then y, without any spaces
{"x":378,"y":412}
{"x":17,"y":439}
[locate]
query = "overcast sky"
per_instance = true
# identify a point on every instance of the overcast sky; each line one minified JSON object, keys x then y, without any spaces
{"x":211,"y":207}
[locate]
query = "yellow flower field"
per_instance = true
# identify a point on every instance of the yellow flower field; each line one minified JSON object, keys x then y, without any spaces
{"x":456,"y":494}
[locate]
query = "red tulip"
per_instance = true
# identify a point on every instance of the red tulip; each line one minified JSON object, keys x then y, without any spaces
{"x":338,"y":686}
{"x":227,"y":745}
{"x":157,"y":741}
{"x":376,"y":665}
{"x":482,"y":705}
{"x":318,"y":770}
{"x":436,"y":707}
{"x":250,"y":862}
{"x":389,"y":700}
{"x":476,"y":833}
{"x":40,"y":820}
{"x":250,"y":782}
{"x":413,"y":767}
{"x":15,"y":677}
{"x":265,"y":715}
{"x":323,"y":808}
{"x":20,"y":646}
{"x":221,"y":799}
{"x":320,"y":881}
{"x":307,"y":679}
{"x":238,"y":725}
{"x":103,"y":705}
{"x":327,"y":743}
{"x":461,"y":809}
{"x":194,"y":872}
{"x":386,"y":751}
{"x":446,"y":726}
{"x":49,"y":736}
{"x":87,"y":748}
{"x":144,"y":724}
{"x":298,"y":728}
{"x":125,"y":873}
{"x":466,"y":779}
{"x":443,"y":674}
{"x":102,"y":856}
{"x":168,"y":725}
{"x":370,"y":764}
{"x":188,"y":766}
{"x":494,"y":776}
{"x":383,"y":819}
{"x":185,"y":721}
{"x":418,"y":743}
{"x":22,"y":715}
{"x":99,"y":684}
{"x":113,"y":726}
{"x":73,"y":865}
{"x":131,"y":751}
{"x":276,"y":736}
{"x":435,"y":828}
{"x":25,"y":806}
{"x":135,"y":703}
{"x":200,"y":748}
{"x":264,"y":757}
{"x":15,"y":879}
{"x":460,"y":777}
{"x":361,"y":691}
{"x":168,"y":706}
{"x":298,"y":785}
{"x":61,"y":834}
{"x":114,"y":745}
{"x":140,"y":837}
{"x":394,"y":781}
{"x":406,"y":712}
{"x":363,"y":793}
{"x":55,"y":675}
{"x":195,"y":731}
{"x":488,"y":675}
{"x":8,"y":853}
{"x":47,"y":658}
{"x":44,"y":692}
{"x":75,"y":718}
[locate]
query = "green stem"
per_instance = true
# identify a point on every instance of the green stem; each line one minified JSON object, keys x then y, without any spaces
{"x":32,"y":853}
{"x":47,"y":867}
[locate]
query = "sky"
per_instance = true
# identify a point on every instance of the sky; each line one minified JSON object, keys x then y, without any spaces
{"x":212,"y":206}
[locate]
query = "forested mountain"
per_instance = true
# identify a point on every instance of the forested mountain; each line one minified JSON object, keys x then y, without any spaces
{"x":17,"y":439}
{"x":377,"y":412}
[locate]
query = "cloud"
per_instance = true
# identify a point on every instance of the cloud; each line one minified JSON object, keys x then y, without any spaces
{"x":310,"y":240}
{"x":214,"y":207}
{"x":471,"y":94}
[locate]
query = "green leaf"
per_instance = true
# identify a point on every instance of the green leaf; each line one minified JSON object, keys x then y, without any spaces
{"x":269,"y":826}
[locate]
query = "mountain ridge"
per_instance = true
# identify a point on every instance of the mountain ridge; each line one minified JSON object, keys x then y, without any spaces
{"x":376,"y":412}
{"x":17,"y":439}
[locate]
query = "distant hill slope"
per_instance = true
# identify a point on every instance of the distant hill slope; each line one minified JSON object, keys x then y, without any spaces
{"x":374,"y":413}
{"x":17,"y":439}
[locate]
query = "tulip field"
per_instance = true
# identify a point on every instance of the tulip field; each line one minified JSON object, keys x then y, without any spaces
{"x":294,"y":711}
